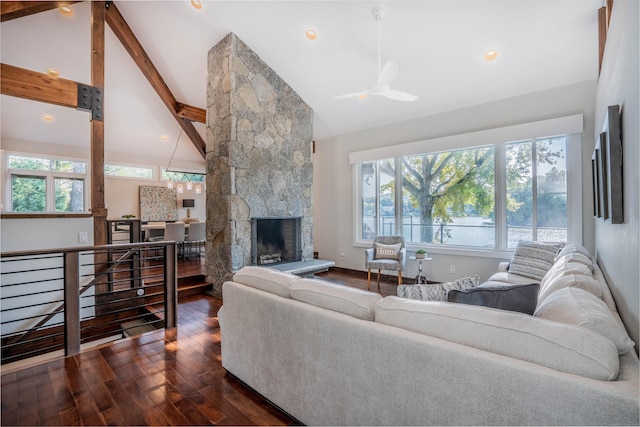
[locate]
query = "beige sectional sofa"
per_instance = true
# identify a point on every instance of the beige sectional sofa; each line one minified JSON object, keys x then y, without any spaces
{"x":334,"y":355}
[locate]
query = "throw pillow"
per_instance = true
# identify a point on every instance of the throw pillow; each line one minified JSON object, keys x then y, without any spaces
{"x":386,"y":251}
{"x":579,"y":307}
{"x":520,"y":298}
{"x":437,"y":291}
{"x":532,"y":259}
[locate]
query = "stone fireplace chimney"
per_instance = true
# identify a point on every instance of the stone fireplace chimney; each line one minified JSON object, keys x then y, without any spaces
{"x":259,"y":135}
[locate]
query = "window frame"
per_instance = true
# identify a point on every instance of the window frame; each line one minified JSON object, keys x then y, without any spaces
{"x":154,"y":171}
{"x":50,"y":177}
{"x":501,"y":250}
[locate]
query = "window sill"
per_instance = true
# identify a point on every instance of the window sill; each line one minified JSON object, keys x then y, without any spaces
{"x":453,"y":250}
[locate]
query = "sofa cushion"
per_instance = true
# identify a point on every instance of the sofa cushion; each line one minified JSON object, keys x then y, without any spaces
{"x":508,"y":278}
{"x":266,"y":279}
{"x":561,"y":268}
{"x":382,"y":251}
{"x":574,"y":257}
{"x":343,"y":299}
{"x":437,"y":291}
{"x":559,"y":346}
{"x":573,"y":248}
{"x":579,"y":307}
{"x":582,"y":281}
{"x":532,"y":259}
{"x":520,"y":298}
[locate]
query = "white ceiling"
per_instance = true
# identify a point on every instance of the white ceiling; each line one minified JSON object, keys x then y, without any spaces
{"x":439,"y":46}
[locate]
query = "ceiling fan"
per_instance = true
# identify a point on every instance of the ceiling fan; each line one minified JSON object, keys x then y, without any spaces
{"x":386,"y":76}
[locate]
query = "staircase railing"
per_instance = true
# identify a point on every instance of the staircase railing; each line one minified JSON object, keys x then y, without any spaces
{"x":58,"y":299}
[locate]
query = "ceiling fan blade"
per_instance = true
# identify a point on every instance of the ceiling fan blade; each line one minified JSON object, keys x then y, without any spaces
{"x":362,"y":94}
{"x":388,"y":73}
{"x":398,"y":95}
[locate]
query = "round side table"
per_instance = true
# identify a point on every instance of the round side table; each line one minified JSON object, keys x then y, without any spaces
{"x":420,"y":278}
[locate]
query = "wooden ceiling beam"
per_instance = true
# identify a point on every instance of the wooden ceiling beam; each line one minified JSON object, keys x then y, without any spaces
{"x":28,"y":84}
{"x":123,"y":32}
{"x":17,"y":9}
{"x":192,"y":113}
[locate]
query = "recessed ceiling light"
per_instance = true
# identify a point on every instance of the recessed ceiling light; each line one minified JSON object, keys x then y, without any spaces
{"x":48,"y":118}
{"x":164,"y":137}
{"x":311,"y":34}
{"x":53,"y":72}
{"x":196,"y":3}
{"x":66,"y":10}
{"x":490,"y":55}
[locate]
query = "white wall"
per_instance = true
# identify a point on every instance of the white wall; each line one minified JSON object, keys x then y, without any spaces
{"x":617,"y":245}
{"x":122,"y":198}
{"x":333,"y":179}
{"x":43,"y":233}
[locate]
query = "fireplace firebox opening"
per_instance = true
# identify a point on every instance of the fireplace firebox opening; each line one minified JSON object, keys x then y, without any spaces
{"x":276,"y":240}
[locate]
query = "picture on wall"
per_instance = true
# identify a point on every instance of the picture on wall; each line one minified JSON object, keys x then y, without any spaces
{"x":602,"y":176}
{"x":597,"y":209}
{"x":158,"y":204}
{"x":606,"y":167}
{"x":613,"y":154}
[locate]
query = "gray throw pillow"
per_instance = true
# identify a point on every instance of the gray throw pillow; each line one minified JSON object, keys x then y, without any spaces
{"x":520,"y":298}
{"x":533,"y":259}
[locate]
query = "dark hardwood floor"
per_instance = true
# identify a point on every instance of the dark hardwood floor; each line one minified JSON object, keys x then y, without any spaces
{"x":158,"y":378}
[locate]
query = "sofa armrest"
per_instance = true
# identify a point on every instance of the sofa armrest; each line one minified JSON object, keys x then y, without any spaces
{"x":503,"y":266}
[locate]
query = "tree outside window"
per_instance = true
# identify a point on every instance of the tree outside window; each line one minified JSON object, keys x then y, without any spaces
{"x":449,"y":198}
{"x":42,"y":185}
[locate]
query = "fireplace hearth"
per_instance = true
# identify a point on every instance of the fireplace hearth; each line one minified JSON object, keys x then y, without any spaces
{"x":275,"y":240}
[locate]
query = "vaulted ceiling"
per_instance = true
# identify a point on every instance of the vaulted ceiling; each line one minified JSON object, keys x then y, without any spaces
{"x":438,"y":44}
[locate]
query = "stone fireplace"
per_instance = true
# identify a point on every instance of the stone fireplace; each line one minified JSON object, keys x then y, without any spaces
{"x":259,"y":135}
{"x":275,"y":240}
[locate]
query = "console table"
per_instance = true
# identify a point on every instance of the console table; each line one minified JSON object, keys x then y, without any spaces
{"x":420,"y":278}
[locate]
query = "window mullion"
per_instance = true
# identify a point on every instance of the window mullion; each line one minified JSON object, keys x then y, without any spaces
{"x":534,"y":189}
{"x":377,"y":211}
{"x":500,"y":206}
{"x":398,"y":195}
{"x":51,"y":193}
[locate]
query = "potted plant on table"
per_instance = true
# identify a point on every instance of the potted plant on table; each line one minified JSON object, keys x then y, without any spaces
{"x":421,"y":254}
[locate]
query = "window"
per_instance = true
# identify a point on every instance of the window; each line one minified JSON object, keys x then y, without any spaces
{"x":46,"y":184}
{"x":128,"y":171}
{"x":183,"y":176}
{"x":536,"y":190}
{"x":443,"y":198}
{"x":450,"y":198}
